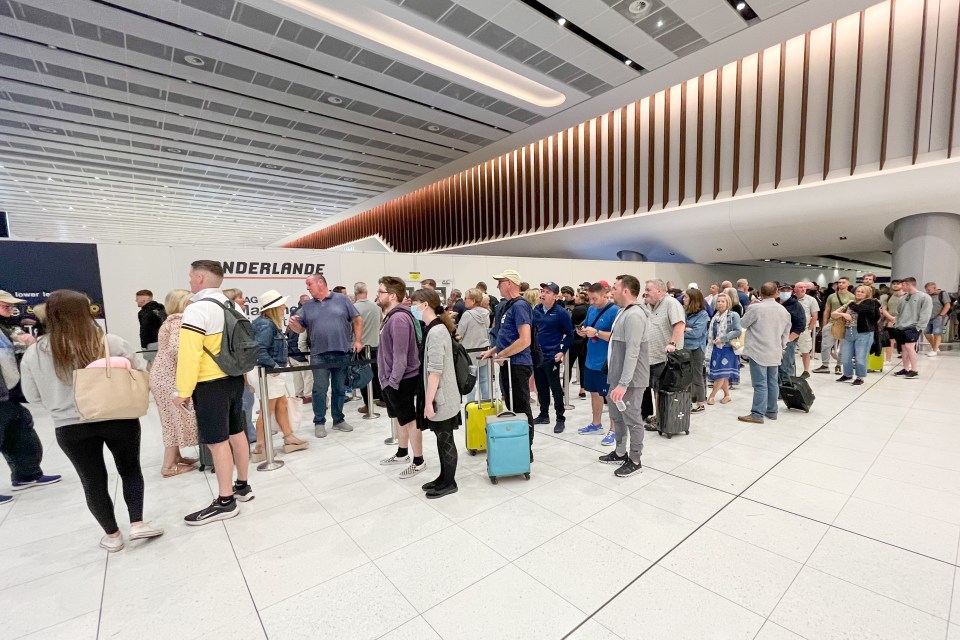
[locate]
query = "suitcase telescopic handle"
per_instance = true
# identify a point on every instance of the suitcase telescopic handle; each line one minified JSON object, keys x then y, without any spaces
{"x":509,"y":382}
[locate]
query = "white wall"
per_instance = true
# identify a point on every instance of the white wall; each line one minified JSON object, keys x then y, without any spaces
{"x":124,"y":269}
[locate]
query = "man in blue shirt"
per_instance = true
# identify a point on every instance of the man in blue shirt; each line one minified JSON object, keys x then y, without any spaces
{"x":554,"y":335}
{"x":596,"y":329}
{"x":513,"y":327}
{"x":743,"y":293}
{"x":334,"y":329}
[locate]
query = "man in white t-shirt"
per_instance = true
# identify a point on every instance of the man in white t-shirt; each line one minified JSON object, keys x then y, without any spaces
{"x":811,"y":308}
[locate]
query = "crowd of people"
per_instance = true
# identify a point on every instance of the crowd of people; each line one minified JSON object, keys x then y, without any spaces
{"x":618,"y":337}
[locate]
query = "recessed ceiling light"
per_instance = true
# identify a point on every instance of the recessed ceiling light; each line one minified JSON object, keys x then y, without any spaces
{"x":766,"y":259}
{"x":659,"y":23}
{"x":628,"y":62}
{"x":776,"y":244}
{"x":397,"y":35}
{"x":741,"y":6}
{"x":719,"y":249}
{"x":561,"y":21}
{"x":196,"y":61}
{"x":335,"y":100}
{"x":843,"y":237}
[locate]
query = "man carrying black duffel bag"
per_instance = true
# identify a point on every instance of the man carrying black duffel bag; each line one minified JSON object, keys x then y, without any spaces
{"x":667,"y":320}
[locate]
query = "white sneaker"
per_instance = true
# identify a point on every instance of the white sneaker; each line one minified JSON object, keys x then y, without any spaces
{"x":395,"y":460}
{"x":144,"y":530}
{"x":112,"y":545}
{"x":932,"y":354}
{"x":412,"y":470}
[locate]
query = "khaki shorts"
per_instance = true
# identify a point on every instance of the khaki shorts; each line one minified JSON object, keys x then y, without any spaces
{"x":805,"y":342}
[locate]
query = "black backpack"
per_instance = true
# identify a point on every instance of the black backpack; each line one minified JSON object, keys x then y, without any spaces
{"x":464,"y":368}
{"x":677,"y":375}
{"x":239,"y":352}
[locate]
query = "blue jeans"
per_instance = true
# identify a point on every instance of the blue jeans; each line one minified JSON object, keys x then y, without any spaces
{"x":855,"y":345}
{"x":482,"y":389}
{"x":765,"y":390}
{"x":788,"y":367}
{"x":248,"y":402}
{"x":321,"y":383}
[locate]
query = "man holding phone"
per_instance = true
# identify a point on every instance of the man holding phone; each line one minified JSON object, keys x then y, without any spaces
{"x":596,"y":330}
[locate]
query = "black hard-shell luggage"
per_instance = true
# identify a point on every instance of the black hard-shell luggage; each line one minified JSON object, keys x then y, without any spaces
{"x":206,"y":459}
{"x":797,"y":394}
{"x":673,"y":412}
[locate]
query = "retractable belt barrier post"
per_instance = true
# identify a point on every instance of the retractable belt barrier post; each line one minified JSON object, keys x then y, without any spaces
{"x":566,"y":381}
{"x":392,"y":440}
{"x":270,"y":464}
{"x":370,"y":415}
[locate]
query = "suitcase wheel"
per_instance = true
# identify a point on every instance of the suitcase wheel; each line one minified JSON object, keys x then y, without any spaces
{"x":687,"y":432}
{"x":472,"y":452}
{"x":669,"y":436}
{"x":493,"y":480}
{"x":526,"y":476}
{"x":806,"y":410}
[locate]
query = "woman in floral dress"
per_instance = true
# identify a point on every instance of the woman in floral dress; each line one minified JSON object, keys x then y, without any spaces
{"x":179,"y":426}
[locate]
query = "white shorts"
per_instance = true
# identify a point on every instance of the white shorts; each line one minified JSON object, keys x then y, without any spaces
{"x":276,"y":385}
{"x":805,"y":342}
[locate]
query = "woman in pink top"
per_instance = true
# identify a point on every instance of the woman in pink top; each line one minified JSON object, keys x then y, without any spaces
{"x":179,"y":426}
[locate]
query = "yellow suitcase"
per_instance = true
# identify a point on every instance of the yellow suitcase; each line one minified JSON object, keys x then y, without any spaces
{"x":875,"y":363}
{"x":477,"y":413}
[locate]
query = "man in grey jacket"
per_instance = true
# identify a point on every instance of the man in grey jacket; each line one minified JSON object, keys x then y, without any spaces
{"x":628,"y":374}
{"x":768,"y":327}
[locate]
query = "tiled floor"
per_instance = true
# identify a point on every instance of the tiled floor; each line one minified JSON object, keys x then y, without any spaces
{"x":841,"y":523}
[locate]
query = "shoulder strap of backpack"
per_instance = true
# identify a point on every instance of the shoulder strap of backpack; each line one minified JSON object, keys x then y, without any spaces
{"x":417,"y":331}
{"x":600,"y":315}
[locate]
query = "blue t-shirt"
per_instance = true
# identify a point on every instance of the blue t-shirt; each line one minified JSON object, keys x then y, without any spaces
{"x":597,"y":348}
{"x":744,"y":299}
{"x":509,"y":321}
{"x":329,"y":323}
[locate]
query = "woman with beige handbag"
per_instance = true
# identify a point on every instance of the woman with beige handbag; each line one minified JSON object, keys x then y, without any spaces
{"x":92,"y":407}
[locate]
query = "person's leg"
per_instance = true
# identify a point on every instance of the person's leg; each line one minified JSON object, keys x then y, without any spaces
{"x":863,"y":344}
{"x":543,"y":391}
{"x":321,"y":384}
{"x":122,"y":438}
{"x":447,"y":452}
{"x":788,"y":365}
{"x":596,"y":406}
{"x":282,"y":416}
{"x":717,"y":386}
{"x":83,"y":446}
{"x":521,"y":395}
{"x":699,"y":382}
{"x":20,"y":443}
{"x":338,"y":392}
{"x":556,"y":388}
{"x":847,"y":348}
{"x":910,"y":356}
{"x":725,"y":387}
{"x":758,"y":378}
{"x":241,"y":450}
{"x":826,"y":345}
{"x":773,"y":392}
{"x":414,"y":437}
{"x":634,"y":421}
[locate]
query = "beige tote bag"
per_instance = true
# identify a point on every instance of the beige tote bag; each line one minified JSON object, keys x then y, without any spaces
{"x":111,"y":393}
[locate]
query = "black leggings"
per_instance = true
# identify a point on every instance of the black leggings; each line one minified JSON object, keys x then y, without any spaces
{"x":83,"y":444}
{"x":447,"y":452}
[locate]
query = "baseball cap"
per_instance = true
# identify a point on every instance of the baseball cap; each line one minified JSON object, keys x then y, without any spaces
{"x":605,"y":283}
{"x":567,"y":289}
{"x":586,"y":283}
{"x":9,"y":299}
{"x":553,"y":286}
{"x":509,"y":274}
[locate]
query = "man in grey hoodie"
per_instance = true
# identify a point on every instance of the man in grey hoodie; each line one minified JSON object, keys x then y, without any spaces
{"x":628,"y":375}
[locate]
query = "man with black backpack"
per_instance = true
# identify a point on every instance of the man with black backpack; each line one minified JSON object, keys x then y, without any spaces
{"x":216,"y":349}
{"x":513,"y":327}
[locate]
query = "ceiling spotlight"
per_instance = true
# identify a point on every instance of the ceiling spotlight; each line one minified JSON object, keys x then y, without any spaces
{"x":561,"y":21}
{"x":628,"y":62}
{"x":719,"y":249}
{"x":335,"y":100}
{"x":766,"y":259}
{"x":741,"y":6}
{"x":659,"y":23}
{"x":776,"y":244}
{"x":196,"y":61}
{"x":843,"y":237}
{"x":433,"y":127}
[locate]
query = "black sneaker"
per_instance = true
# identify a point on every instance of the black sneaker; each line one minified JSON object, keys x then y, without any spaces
{"x":439,"y":492}
{"x":844,"y":378}
{"x":902,"y":372}
{"x":910,"y":375}
{"x":805,"y":375}
{"x":613,"y":458}
{"x":628,"y":469}
{"x":542,"y":420}
{"x":244,"y":494}
{"x":560,"y":426}
{"x":858,"y":382}
{"x":213,"y":513}
{"x":430,"y":486}
{"x":822,"y":369}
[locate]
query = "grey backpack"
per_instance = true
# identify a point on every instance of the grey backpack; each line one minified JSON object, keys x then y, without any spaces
{"x":238,"y":348}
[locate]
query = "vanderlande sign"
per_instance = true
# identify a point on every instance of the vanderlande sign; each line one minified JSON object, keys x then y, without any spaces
{"x":244,"y":268}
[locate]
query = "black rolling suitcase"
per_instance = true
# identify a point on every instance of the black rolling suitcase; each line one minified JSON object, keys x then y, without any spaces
{"x":673,"y":412}
{"x":797,"y":394}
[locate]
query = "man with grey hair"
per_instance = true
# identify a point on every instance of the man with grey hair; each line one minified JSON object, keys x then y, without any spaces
{"x":667,"y":320}
{"x":811,"y":309}
{"x":768,"y":327}
{"x":456,"y":305}
{"x":370,"y":337}
{"x":743,"y":293}
{"x":334,"y":328}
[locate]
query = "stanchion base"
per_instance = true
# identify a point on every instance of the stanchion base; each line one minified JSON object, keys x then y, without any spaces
{"x":270,"y":466}
{"x":371,"y":416}
{"x":391,"y":441}
{"x":569,"y":407}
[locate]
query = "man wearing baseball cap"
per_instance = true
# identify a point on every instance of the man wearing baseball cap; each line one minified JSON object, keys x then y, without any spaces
{"x":554,"y":336}
{"x":19,"y":442}
{"x":513,"y":324}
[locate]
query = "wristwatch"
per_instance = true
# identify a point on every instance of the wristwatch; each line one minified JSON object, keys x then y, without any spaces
{"x":672,"y":344}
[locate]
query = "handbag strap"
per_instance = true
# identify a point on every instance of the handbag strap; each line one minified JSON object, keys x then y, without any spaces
{"x":106,"y":351}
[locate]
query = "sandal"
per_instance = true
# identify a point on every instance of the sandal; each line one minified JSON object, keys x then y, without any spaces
{"x":711,"y":401}
{"x":169,"y":472}
{"x":726,"y":400}
{"x":295,"y":446}
{"x":257,"y":456}
{"x":188,"y":461}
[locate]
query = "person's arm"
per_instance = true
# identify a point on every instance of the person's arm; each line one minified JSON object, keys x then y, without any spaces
{"x":735,"y":328}
{"x":926,"y":310}
{"x":433,"y":365}
{"x":566,"y":325}
{"x":519,"y":344}
{"x":633,"y":326}
{"x":122,"y":348}
{"x":143,"y":330}
{"x":189,"y":352}
{"x":357,"y":333}
{"x":28,"y":381}
{"x":946,"y":308}
{"x":676,"y":338}
{"x":401,"y":332}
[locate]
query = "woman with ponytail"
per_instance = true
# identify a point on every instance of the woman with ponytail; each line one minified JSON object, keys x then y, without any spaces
{"x":439,"y":403}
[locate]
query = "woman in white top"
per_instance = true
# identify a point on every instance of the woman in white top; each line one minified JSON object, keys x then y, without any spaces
{"x":74,"y":341}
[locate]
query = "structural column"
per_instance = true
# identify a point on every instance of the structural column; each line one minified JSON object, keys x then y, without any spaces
{"x":927,"y":246}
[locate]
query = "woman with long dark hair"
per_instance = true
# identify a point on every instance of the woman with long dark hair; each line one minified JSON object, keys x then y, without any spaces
{"x":439,"y":402}
{"x":72,"y":342}
{"x":695,"y":341}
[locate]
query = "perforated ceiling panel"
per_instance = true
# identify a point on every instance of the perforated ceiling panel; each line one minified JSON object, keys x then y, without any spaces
{"x":198,"y":121}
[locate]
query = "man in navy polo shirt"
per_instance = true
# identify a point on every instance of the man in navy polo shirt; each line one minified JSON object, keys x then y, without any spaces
{"x":334,"y":329}
{"x":513,"y":324}
{"x":554,"y":336}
